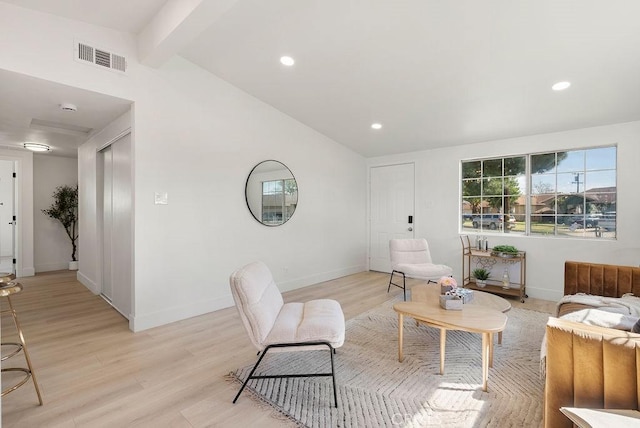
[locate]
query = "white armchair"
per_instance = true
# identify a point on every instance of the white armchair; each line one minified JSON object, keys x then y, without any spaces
{"x":412,"y":258}
{"x":272,"y":324}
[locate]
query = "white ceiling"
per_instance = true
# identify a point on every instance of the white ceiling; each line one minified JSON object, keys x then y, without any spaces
{"x":117,"y":14}
{"x":433,"y":72}
{"x":24,"y":98}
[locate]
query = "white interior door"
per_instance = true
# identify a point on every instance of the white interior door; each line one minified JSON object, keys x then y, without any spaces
{"x":392,"y":202}
{"x":7,"y":213}
{"x":117,"y":236}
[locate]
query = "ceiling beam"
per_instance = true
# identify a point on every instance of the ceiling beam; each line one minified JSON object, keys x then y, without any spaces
{"x":175,"y":25}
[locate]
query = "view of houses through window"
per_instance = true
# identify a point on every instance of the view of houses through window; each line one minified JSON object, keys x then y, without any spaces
{"x":279,"y":198}
{"x":565,"y":193}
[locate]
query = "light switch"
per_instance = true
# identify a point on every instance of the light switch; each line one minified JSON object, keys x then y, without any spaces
{"x":162,"y":198}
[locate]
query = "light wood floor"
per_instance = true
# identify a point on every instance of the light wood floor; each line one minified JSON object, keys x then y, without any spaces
{"x":94,"y":372}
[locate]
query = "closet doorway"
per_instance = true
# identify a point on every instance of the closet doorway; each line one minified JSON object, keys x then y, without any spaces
{"x":115,"y":213}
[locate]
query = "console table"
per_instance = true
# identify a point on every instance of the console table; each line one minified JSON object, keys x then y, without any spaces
{"x":487,"y":260}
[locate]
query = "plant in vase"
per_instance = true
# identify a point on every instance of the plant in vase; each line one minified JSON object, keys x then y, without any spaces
{"x":481,"y":275}
{"x":65,"y":209}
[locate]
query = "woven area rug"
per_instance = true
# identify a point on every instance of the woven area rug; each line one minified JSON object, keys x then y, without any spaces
{"x":375,"y":390}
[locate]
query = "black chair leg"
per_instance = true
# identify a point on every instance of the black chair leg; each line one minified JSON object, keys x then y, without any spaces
{"x":250,"y":376}
{"x":332,"y":351}
{"x":333,"y":377}
{"x":403,"y":286}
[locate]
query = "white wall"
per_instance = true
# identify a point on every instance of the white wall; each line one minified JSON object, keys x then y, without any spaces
{"x":197,"y":138}
{"x":203,"y":138}
{"x":438,"y":204}
{"x":52,"y":246}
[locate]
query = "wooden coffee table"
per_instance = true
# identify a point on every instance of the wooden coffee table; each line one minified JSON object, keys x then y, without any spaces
{"x":431,"y":293}
{"x":474,"y":318}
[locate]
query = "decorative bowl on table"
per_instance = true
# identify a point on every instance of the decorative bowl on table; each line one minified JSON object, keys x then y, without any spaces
{"x":504,"y":255}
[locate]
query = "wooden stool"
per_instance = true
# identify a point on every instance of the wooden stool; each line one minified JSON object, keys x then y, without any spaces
{"x":6,"y":277}
{"x":7,"y":288}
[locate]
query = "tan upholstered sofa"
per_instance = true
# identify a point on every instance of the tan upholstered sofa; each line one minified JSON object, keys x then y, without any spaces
{"x":589,"y":366}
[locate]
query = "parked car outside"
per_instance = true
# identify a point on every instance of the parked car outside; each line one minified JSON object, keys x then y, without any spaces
{"x":492,"y":221}
{"x":589,"y":221}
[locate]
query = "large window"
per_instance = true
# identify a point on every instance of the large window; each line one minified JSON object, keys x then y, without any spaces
{"x":568,"y":193}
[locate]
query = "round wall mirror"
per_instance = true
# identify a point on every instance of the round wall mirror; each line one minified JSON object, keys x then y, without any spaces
{"x":271,"y":193}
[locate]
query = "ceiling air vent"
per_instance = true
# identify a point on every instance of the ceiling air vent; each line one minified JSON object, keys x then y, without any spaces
{"x":118,"y":62}
{"x":101,"y":57}
{"x":85,"y":52}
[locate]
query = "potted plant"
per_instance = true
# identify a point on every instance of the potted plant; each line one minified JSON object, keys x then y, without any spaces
{"x":65,"y":209}
{"x":506,"y":251}
{"x":481,"y":275}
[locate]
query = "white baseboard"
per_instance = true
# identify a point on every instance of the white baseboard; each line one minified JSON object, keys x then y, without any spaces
{"x":88,"y":282}
{"x":47,"y":267}
{"x":544,"y":294}
{"x":28,"y":271}
{"x":319,"y":277}
{"x":178,"y":313}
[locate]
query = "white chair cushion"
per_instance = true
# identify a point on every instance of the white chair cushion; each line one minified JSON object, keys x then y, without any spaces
{"x":316,"y":320}
{"x":424,"y":270}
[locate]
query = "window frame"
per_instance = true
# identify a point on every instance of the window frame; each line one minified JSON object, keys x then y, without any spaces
{"x":597,"y":202}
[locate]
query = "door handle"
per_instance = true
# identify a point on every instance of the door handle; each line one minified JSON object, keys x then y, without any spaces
{"x":410,"y":229}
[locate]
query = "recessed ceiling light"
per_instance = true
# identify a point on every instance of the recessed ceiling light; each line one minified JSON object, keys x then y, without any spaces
{"x":561,"y":86}
{"x":36,"y":147}
{"x":376,"y":125}
{"x":287,"y":60}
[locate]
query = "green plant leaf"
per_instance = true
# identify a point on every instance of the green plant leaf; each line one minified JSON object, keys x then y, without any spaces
{"x":65,"y":209}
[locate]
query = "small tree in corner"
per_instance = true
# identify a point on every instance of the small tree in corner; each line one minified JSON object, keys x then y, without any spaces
{"x":65,"y":209}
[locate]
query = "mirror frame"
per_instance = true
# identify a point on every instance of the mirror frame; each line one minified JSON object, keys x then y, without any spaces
{"x":246,"y":192}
